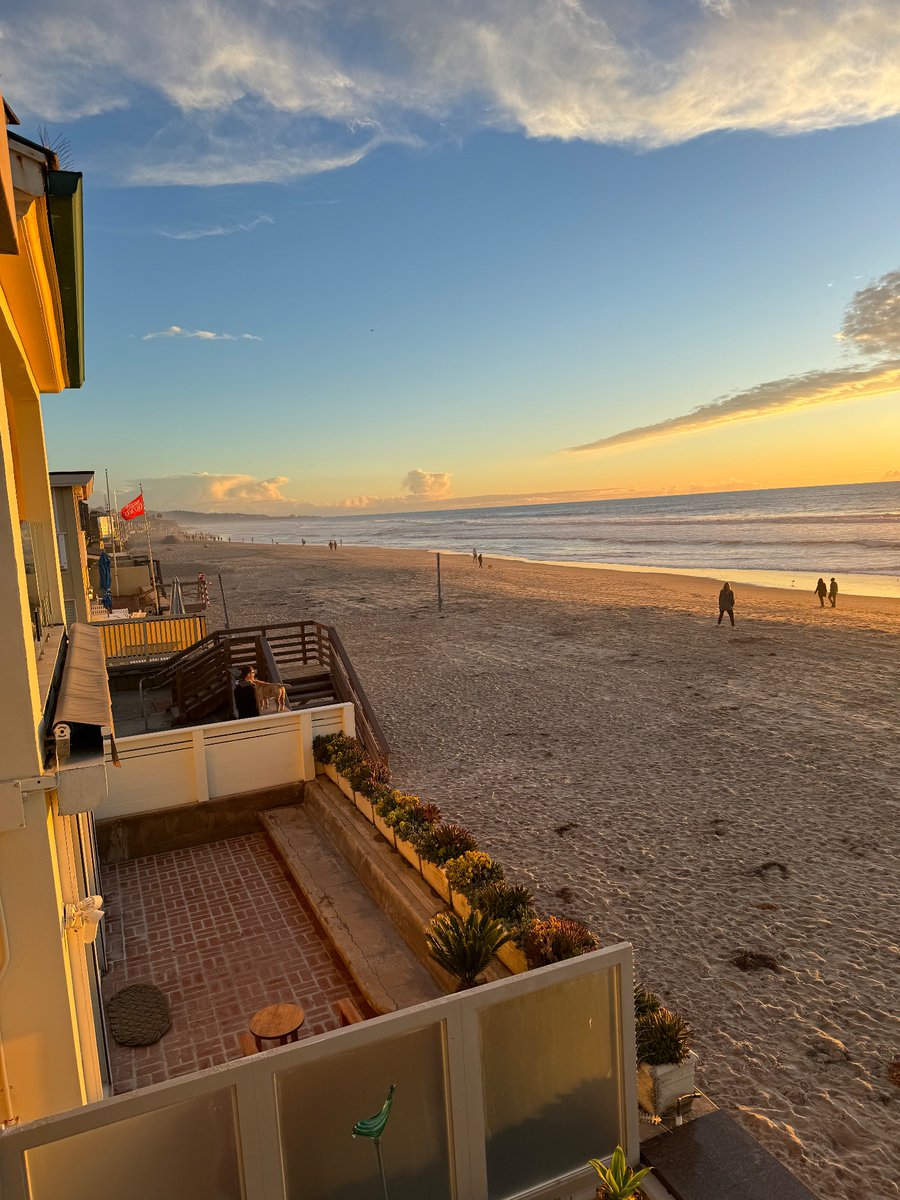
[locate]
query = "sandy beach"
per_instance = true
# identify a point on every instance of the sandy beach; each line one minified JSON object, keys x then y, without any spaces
{"x":694,"y":790}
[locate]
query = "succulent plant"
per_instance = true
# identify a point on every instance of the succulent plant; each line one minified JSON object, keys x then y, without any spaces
{"x":511,"y":903}
{"x":552,"y":939}
{"x":439,"y":843}
{"x":464,"y":947}
{"x":662,"y":1037}
{"x":469,"y":872}
{"x":408,"y":816}
{"x":644,"y":1001}
{"x":618,"y":1181}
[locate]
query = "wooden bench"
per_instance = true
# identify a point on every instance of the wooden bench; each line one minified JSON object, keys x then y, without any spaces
{"x":348,"y":1012}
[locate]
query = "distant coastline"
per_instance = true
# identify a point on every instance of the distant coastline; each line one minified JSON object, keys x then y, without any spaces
{"x":178,"y":515}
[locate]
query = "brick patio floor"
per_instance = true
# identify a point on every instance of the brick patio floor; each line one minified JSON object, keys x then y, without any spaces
{"x":221,"y":931}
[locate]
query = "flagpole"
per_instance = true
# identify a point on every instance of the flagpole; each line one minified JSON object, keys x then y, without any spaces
{"x":150,"y":552}
{"x":112,"y":531}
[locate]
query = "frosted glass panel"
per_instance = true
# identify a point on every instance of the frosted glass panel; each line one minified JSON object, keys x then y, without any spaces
{"x":180,"y":1152}
{"x":550,"y":1067}
{"x":320,"y":1102}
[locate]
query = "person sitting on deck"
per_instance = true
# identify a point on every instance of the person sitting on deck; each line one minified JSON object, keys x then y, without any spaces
{"x":245,"y":698}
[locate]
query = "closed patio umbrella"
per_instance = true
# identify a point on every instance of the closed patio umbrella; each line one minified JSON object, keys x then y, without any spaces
{"x":104,"y":567}
{"x":176,"y":605}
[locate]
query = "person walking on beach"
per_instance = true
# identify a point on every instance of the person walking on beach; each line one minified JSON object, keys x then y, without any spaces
{"x":480,"y":561}
{"x":832,"y":592}
{"x":474,"y":555}
{"x":726,"y":604}
{"x":821,"y":592}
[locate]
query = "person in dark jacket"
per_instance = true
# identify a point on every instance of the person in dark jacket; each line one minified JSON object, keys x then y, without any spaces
{"x":832,"y":592}
{"x":726,"y":604}
{"x":821,"y":592}
{"x":245,"y":700}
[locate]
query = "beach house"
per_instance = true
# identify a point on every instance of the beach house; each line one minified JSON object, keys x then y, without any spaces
{"x":71,"y":491}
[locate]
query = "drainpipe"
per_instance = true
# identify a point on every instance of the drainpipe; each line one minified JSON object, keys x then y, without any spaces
{"x":7,"y":1116}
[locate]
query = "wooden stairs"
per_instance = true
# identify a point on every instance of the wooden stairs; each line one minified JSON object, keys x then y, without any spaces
{"x":307,"y":658}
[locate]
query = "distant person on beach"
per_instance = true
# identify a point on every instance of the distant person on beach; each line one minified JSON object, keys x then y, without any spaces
{"x":832,"y":592}
{"x":474,"y":555}
{"x":245,"y":699}
{"x":726,"y":604}
{"x":480,"y":561}
{"x":821,"y":592}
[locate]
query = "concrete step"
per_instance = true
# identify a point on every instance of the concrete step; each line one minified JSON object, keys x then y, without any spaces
{"x":396,"y":887}
{"x":387,"y":972}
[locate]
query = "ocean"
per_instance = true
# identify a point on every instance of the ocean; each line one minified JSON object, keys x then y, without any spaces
{"x":782,"y":537}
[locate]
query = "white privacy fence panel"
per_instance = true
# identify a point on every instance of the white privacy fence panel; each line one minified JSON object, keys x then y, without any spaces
{"x":209,"y":762}
{"x":503,"y":1093}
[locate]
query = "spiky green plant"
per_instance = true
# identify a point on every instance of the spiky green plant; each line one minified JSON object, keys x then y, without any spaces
{"x":464,"y":947}
{"x":439,"y":843}
{"x":644,"y":1001}
{"x":511,"y":903}
{"x":662,"y":1037}
{"x":618,"y":1181}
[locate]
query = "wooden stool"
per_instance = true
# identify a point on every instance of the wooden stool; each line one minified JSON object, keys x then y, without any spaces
{"x":277,"y":1023}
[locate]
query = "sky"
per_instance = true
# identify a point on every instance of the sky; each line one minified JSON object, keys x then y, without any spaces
{"x":397,"y":254}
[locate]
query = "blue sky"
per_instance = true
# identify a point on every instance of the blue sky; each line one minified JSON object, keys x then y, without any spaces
{"x":454,"y":260}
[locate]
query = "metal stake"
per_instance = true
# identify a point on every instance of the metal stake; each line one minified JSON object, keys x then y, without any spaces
{"x":440,"y":596}
{"x":224,"y":605}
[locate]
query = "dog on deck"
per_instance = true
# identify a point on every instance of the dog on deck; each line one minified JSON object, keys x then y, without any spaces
{"x":270,"y":691}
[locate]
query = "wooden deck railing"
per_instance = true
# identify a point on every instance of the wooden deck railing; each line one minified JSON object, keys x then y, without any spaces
{"x":278,"y":651}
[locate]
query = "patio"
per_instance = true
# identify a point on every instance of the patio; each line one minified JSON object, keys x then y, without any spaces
{"x":220,"y":930}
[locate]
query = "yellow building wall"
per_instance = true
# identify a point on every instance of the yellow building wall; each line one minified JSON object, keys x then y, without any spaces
{"x":41,"y":1042}
{"x":47,"y":1048}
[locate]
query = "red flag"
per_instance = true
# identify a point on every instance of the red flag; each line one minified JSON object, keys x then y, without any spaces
{"x":134,"y":508}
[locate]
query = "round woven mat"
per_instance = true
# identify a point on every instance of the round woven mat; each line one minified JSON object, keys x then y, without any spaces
{"x":138,"y":1015}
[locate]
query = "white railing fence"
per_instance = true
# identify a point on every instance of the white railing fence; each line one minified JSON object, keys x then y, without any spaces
{"x":179,"y":767}
{"x":503,"y":1093}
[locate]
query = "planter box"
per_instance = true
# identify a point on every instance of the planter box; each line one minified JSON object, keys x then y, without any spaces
{"x":364,"y":804}
{"x":409,"y":852}
{"x":385,"y":830}
{"x":514,"y":958}
{"x":658,"y":1088}
{"x":331,"y":772}
{"x":436,"y":879}
{"x":461,"y":904}
{"x":345,"y":786}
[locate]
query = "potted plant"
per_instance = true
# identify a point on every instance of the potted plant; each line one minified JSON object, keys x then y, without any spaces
{"x":467,"y":875}
{"x":381,"y":811}
{"x":437,"y":845}
{"x":513,"y":905}
{"x":553,"y":939}
{"x":464,"y":947}
{"x":665,"y":1060}
{"x":408,"y":818}
{"x":618,"y":1181}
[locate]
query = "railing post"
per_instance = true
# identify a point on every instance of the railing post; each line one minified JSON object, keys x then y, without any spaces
{"x":307,"y":762}
{"x":201,"y":777}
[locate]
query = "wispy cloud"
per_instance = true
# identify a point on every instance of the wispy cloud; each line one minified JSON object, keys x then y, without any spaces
{"x":192,"y":235}
{"x":203,"y":335}
{"x":871,"y":327}
{"x":278,"y":90}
